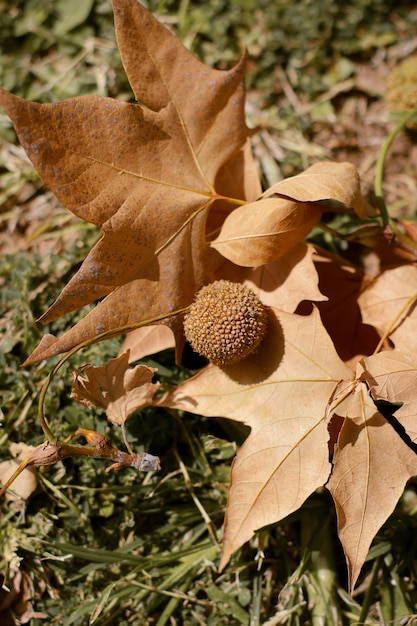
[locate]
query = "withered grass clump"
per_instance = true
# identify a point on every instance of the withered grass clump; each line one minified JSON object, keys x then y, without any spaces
{"x":226,"y":323}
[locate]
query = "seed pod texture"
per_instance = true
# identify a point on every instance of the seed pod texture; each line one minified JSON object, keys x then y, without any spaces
{"x":226,"y":322}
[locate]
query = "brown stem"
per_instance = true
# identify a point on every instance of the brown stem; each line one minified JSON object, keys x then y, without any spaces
{"x":48,"y":453}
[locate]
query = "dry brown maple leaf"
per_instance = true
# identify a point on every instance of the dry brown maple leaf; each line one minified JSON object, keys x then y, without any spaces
{"x":146,"y":175}
{"x":261,"y":232}
{"x":287,"y":393}
{"x":371,"y":464}
{"x":282,"y":393}
{"x":163,"y":177}
{"x":115,"y":387}
{"x":155,"y":177}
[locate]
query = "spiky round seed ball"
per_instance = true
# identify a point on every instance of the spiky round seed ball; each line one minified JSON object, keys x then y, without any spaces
{"x":226,"y":322}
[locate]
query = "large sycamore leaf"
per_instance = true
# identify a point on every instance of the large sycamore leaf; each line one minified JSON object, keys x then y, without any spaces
{"x":262,"y":231}
{"x":371,"y":466}
{"x":146,"y":174}
{"x":282,"y":393}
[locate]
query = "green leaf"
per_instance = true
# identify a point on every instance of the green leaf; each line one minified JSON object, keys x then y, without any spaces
{"x":71,"y":14}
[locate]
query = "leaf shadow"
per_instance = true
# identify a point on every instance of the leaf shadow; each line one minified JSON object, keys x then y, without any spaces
{"x":268,"y":277}
{"x":351,"y":429}
{"x":340,"y":313}
{"x":260,"y":365}
{"x":273,"y":275}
